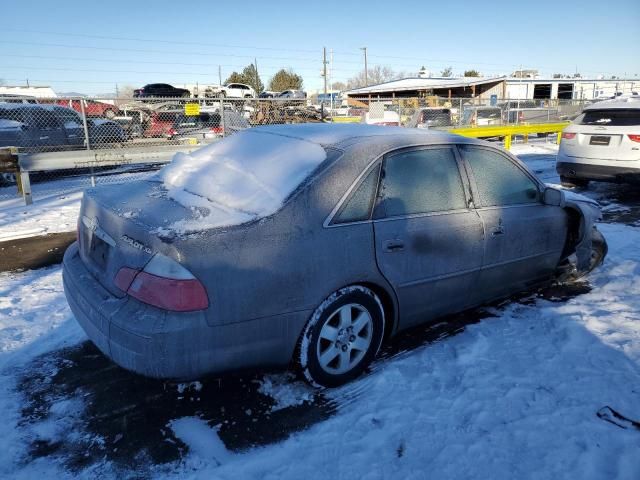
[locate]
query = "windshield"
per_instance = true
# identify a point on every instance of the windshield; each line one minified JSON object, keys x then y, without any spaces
{"x":611,"y":118}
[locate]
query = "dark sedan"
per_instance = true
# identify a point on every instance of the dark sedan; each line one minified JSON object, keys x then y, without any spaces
{"x":311,"y":245}
{"x":161,"y":90}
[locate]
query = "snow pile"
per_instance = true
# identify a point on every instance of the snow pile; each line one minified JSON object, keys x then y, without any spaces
{"x":241,"y":178}
{"x":285,"y":391}
{"x":202,"y":440}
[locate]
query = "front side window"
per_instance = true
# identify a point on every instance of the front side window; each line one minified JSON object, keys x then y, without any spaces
{"x":422,"y":181}
{"x":499,"y":181}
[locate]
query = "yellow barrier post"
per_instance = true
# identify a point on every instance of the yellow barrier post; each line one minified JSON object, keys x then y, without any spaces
{"x":507,"y":131}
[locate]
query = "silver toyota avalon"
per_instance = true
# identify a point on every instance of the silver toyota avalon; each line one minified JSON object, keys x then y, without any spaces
{"x":311,"y":245}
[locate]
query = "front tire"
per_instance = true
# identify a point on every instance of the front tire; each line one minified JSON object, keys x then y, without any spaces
{"x":342,"y":337}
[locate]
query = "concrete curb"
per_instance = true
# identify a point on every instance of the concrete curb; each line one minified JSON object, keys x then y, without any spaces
{"x":34,"y":252}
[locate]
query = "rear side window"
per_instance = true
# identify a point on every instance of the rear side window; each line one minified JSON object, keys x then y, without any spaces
{"x":422,"y":181}
{"x":499,"y":180}
{"x":358,"y":207}
{"x":612,"y":118}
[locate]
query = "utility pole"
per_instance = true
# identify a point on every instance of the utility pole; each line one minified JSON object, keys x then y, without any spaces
{"x":366,"y":73}
{"x":219,"y":75}
{"x":255,"y":64}
{"x":324,"y":70}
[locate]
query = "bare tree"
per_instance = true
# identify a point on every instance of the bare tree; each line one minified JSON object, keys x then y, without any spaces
{"x":376,"y":75}
{"x":125,"y":91}
{"x":340,"y":86}
{"x":447,"y":72}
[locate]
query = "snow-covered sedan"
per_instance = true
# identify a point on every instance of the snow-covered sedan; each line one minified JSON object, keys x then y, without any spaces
{"x":311,"y":245}
{"x":603,"y":143}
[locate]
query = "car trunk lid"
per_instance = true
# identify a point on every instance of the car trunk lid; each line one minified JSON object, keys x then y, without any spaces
{"x":118,"y":228}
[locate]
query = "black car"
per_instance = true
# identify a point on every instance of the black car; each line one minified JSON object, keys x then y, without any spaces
{"x":161,"y":90}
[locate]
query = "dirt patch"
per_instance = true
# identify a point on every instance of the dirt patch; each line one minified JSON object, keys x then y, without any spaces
{"x":34,"y":252}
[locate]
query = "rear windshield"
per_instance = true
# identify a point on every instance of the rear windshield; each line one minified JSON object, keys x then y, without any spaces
{"x":613,"y":118}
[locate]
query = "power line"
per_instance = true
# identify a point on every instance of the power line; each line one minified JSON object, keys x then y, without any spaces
{"x":142,"y":50}
{"x":157,"y":40}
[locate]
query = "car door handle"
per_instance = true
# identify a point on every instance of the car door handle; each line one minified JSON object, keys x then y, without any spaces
{"x":393,"y":246}
{"x":497,"y":231}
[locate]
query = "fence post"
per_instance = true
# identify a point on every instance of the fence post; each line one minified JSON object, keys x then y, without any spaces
{"x":222,"y":116}
{"x":507,"y":142}
{"x":24,"y":185}
{"x":86,"y":137}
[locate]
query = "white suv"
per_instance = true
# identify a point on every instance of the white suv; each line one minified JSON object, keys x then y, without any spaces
{"x":602,"y":143}
{"x":231,"y":90}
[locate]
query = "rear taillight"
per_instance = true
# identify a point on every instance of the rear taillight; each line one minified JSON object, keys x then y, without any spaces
{"x":634,"y":138}
{"x":217,"y":130}
{"x":568,"y":135}
{"x":171,"y":132}
{"x":164,"y":283}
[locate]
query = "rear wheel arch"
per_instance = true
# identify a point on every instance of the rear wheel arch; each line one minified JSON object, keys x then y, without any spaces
{"x":307,"y":359}
{"x":389,"y":307}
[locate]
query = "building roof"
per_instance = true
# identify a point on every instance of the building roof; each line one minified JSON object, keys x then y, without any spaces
{"x":418,"y":83}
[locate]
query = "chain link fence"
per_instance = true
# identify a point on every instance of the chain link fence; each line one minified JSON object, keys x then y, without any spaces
{"x":123,"y":139}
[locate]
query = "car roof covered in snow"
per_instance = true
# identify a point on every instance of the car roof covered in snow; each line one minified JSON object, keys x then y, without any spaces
{"x":336,"y":135}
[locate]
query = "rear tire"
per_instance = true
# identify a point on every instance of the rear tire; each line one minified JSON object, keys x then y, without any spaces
{"x":342,"y":337}
{"x":573,"y":182}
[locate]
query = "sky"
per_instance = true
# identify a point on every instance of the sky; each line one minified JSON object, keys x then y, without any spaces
{"x":92,"y":46}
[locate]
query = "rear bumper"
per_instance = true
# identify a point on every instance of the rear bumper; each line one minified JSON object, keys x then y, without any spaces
{"x":607,"y":171}
{"x":171,"y":345}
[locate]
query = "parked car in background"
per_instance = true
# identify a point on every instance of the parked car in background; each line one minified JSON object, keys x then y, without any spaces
{"x":344,"y":235}
{"x":231,"y":90}
{"x":481,"y":116}
{"x":161,"y":90}
{"x":431,"y":117}
{"x":159,"y":123}
{"x":92,"y":108}
{"x":102,"y":132}
{"x":268,"y":94}
{"x":51,"y":127}
{"x":293,"y":95}
{"x":602,"y":143}
{"x":207,"y":125}
{"x":389,"y":119}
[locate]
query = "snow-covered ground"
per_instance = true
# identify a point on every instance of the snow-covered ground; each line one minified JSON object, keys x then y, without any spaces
{"x":56,"y":203}
{"x":513,"y":395}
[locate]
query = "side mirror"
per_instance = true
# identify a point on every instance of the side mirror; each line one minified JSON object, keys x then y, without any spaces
{"x":553,"y":196}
